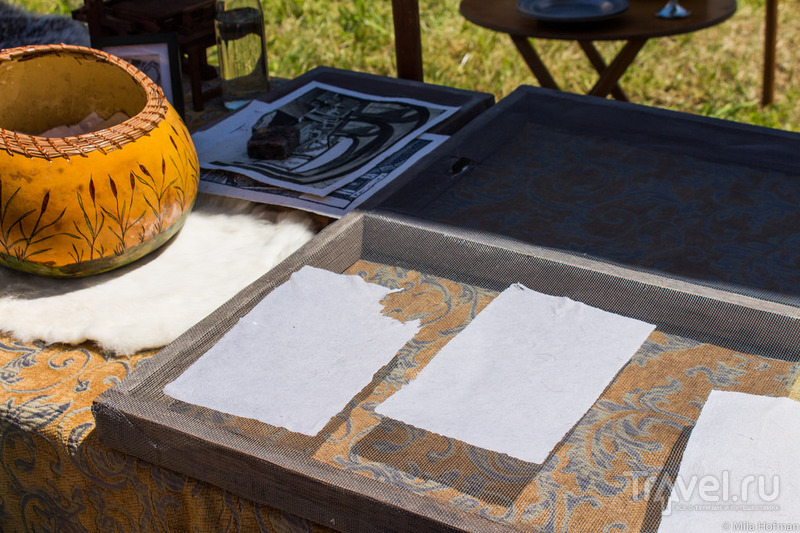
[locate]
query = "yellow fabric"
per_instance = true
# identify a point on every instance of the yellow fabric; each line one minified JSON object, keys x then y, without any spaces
{"x":57,"y":476}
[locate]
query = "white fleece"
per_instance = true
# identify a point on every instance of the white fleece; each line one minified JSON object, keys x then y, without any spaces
{"x":224,"y":245}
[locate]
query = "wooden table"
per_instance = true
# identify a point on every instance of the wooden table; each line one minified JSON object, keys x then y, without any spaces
{"x":636,"y":26}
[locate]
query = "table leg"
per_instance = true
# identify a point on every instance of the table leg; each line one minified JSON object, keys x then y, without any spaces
{"x":599,"y":65}
{"x":528,"y":53}
{"x":407,"y":39}
{"x":770,"y":38}
{"x":612,"y":73}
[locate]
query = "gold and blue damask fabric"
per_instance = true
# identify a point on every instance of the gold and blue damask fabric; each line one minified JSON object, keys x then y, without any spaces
{"x":600,"y":477}
{"x":57,"y":476}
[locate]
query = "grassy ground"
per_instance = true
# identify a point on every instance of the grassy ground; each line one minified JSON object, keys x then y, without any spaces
{"x":715,"y":72}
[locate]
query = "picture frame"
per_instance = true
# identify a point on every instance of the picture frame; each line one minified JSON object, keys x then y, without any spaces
{"x":157,"y":55}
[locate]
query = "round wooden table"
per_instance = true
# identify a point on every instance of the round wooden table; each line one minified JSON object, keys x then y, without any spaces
{"x":636,"y":26}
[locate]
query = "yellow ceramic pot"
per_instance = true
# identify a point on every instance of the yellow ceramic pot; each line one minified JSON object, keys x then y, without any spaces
{"x":83,"y":204}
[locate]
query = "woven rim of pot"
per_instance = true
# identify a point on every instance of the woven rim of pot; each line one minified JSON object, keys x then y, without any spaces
{"x":104,"y":140}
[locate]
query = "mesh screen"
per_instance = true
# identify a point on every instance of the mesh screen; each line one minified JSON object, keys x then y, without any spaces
{"x":362,"y":472}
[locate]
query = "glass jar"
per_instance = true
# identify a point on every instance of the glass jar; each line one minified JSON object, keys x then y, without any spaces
{"x":242,"y":51}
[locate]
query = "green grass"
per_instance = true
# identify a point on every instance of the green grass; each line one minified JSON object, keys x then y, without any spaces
{"x":715,"y":72}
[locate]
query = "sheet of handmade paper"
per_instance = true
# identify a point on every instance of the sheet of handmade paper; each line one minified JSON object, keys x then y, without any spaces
{"x":300,"y":355}
{"x":521,"y":374}
{"x":740,"y":469}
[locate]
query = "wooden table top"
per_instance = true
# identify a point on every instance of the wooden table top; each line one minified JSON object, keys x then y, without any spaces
{"x":637,"y":22}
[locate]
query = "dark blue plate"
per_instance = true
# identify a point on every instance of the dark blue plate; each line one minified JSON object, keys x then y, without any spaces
{"x":571,"y":10}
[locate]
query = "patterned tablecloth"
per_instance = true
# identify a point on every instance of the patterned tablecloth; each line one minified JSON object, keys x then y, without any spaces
{"x":609,"y":473}
{"x":57,"y":476}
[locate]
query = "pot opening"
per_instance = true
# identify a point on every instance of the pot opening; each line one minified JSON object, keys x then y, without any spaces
{"x":64,"y":94}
